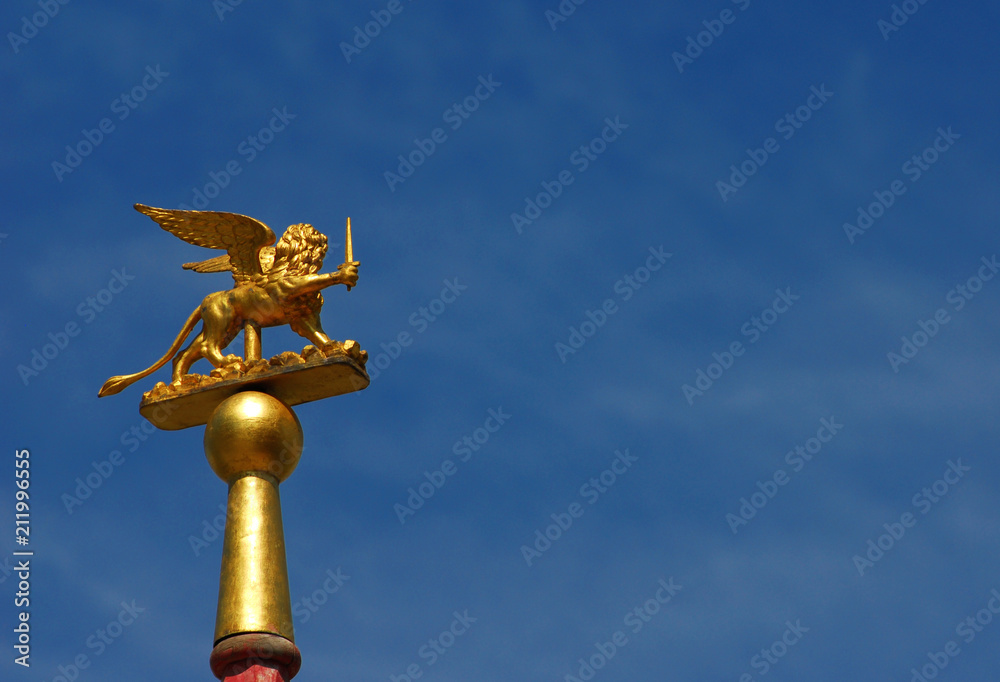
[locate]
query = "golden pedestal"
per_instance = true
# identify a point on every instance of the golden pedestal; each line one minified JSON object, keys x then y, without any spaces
{"x":172,"y":408}
{"x":253,"y":442}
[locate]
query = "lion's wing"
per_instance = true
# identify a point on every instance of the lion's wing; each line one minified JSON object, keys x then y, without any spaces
{"x":240,"y":236}
{"x":217,"y":264}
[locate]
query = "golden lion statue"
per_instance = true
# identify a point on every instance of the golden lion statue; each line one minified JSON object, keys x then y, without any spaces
{"x":275,"y":285}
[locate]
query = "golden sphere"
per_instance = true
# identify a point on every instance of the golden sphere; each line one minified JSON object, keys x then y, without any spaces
{"x":253,"y":431}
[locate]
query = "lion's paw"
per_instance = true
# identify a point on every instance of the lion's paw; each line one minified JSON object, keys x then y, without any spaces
{"x":332,"y":347}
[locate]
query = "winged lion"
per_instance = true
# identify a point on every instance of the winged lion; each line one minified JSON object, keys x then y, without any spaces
{"x":276,"y":284}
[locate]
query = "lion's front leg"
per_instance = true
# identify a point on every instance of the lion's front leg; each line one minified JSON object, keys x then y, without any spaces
{"x":311,"y":329}
{"x":298,"y":285}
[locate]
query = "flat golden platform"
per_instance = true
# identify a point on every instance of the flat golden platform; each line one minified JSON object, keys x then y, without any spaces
{"x":173,"y":408}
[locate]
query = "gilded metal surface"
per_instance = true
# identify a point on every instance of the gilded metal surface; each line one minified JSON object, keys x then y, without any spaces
{"x":292,"y":378}
{"x":253,"y":432}
{"x":251,"y":341}
{"x":275,"y":285}
{"x":349,"y":250}
{"x":253,"y":583}
{"x":253,"y":441}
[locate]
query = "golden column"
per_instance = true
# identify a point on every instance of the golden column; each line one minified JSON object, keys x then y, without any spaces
{"x":253,"y":440}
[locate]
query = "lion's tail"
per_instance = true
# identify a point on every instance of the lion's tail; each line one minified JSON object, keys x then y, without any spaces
{"x":117,"y":384}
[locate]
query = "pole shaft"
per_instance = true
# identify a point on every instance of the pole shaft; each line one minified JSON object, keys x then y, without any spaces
{"x":253,"y":441}
{"x":253,"y":583}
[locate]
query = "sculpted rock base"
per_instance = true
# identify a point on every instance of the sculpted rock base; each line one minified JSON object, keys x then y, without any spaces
{"x":293,"y":378}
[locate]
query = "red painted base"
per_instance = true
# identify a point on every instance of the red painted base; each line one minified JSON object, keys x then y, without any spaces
{"x":255,"y":657}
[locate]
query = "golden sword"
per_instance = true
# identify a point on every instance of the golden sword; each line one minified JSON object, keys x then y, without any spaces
{"x":349,"y":249}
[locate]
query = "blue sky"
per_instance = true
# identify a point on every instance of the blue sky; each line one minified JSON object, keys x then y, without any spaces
{"x":572,"y":205}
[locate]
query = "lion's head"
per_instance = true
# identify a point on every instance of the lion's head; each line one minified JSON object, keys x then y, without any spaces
{"x":300,"y":250}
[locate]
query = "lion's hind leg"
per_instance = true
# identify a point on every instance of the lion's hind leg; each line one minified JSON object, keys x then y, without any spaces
{"x":204,"y":347}
{"x":188,"y":356}
{"x":221,"y":325}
